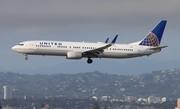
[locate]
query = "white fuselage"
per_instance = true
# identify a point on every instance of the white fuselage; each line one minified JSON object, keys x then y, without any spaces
{"x":61,"y":48}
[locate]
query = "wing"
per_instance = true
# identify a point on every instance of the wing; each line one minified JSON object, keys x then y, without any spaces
{"x":98,"y":51}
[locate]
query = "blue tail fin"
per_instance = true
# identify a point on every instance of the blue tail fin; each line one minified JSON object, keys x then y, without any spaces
{"x":154,"y":37}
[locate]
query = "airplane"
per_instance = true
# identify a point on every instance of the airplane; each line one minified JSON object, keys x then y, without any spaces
{"x":78,"y":50}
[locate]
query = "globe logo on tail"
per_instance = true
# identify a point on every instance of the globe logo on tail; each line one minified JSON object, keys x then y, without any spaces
{"x":150,"y":40}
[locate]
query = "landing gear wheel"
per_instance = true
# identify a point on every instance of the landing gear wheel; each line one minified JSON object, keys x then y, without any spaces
{"x":89,"y":61}
{"x":26,"y":58}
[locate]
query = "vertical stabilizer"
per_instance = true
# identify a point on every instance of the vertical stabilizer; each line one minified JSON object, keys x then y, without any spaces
{"x":155,"y":36}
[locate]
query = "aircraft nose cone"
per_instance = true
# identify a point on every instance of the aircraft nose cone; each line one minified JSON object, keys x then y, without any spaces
{"x":14,"y":48}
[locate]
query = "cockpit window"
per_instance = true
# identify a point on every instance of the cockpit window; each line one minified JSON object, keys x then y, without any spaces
{"x":21,"y":44}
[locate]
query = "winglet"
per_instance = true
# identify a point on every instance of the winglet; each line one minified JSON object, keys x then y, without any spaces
{"x":114,"y":40}
{"x":107,"y":40}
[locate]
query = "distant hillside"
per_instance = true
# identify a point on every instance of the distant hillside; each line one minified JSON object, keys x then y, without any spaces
{"x":157,"y":83}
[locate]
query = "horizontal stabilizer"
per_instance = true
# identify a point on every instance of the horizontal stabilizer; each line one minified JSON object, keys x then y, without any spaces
{"x":158,"y":48}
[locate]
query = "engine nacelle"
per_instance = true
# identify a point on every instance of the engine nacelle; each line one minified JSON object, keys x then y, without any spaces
{"x":73,"y":55}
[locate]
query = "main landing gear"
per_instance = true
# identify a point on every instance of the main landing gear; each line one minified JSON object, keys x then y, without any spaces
{"x":89,"y":61}
{"x":26,"y":58}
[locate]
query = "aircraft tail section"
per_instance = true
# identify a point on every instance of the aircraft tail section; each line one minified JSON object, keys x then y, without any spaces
{"x":155,"y":36}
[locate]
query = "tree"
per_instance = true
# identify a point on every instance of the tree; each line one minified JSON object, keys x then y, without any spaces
{"x":42,"y":106}
{"x":96,"y":106}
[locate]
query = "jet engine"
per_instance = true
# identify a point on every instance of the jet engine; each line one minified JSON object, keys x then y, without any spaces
{"x":73,"y":55}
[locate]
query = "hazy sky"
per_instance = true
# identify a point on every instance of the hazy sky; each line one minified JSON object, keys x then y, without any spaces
{"x":83,"y":20}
